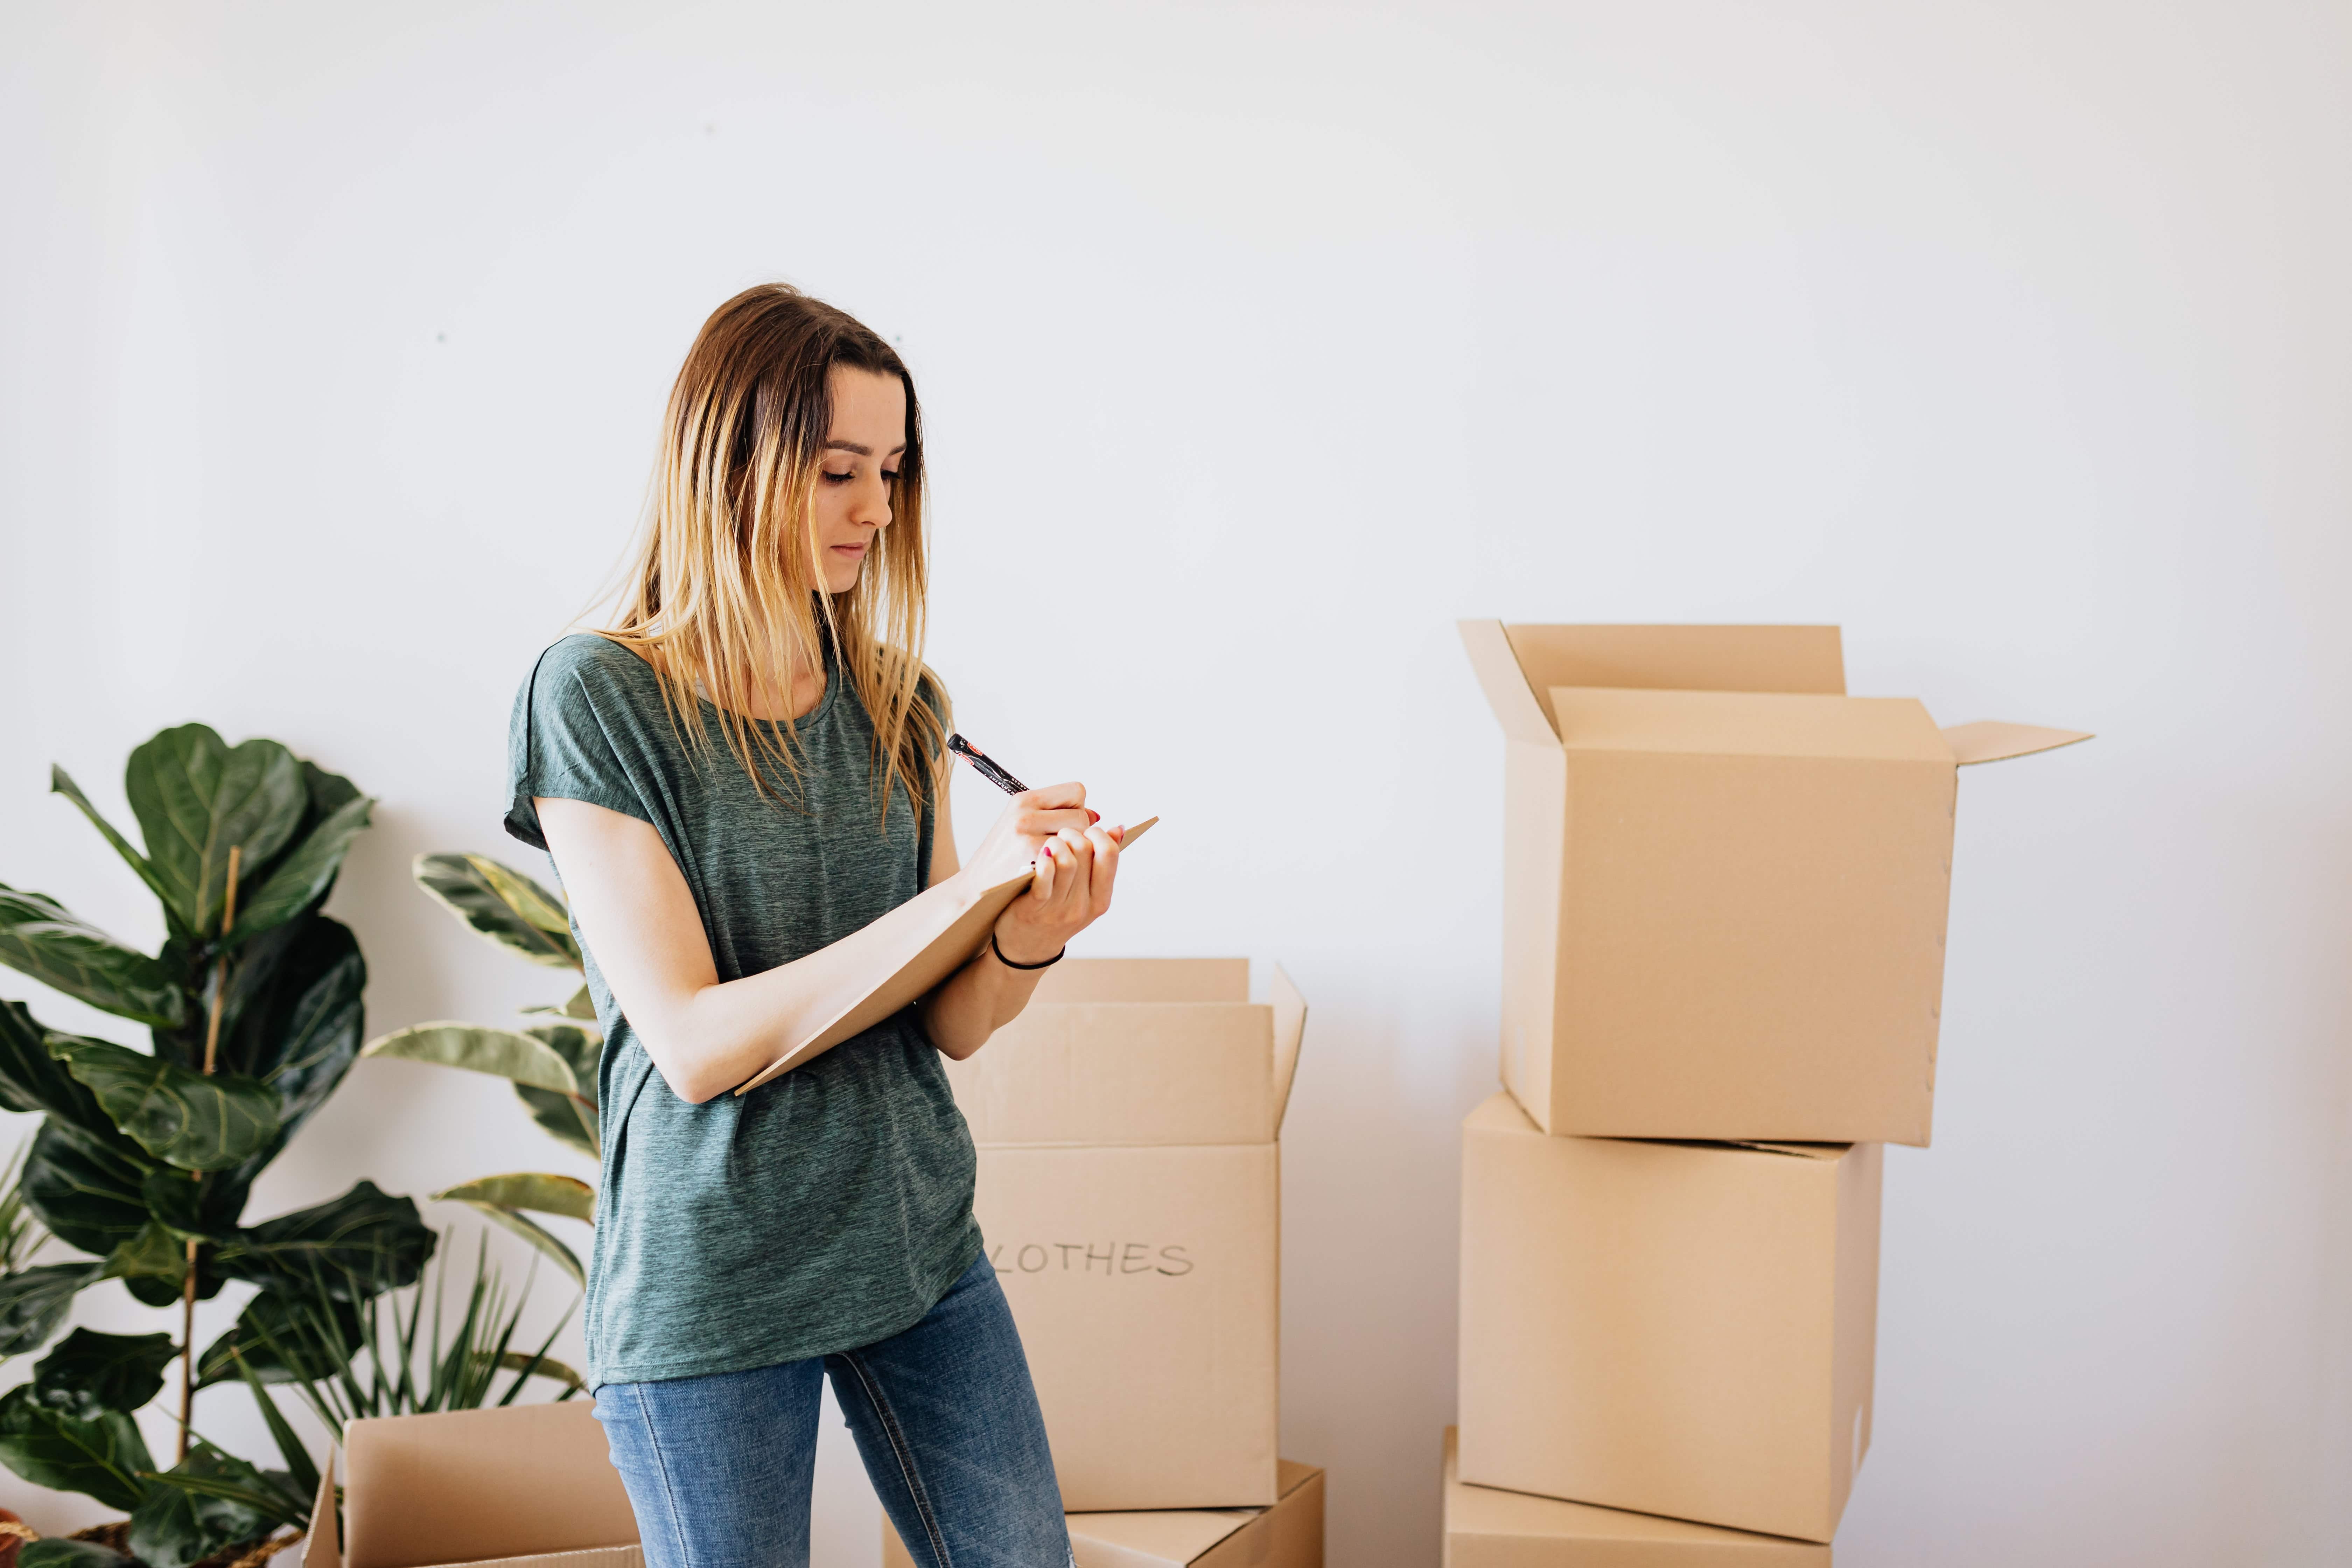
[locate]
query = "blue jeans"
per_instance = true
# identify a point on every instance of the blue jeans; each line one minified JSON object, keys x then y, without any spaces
{"x":718,"y":1469}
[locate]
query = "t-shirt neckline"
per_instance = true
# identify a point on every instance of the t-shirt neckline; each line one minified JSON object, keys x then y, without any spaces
{"x":824,"y":702}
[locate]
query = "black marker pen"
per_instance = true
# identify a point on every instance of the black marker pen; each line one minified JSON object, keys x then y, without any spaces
{"x":998,"y":776}
{"x":987,"y":769}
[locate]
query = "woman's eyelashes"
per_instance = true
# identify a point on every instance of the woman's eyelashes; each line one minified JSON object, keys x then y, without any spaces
{"x":890,"y":477}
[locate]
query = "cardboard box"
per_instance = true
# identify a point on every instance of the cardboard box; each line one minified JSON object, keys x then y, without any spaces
{"x":1725,"y":882}
{"x":1289,"y":1534}
{"x":1489,"y":1528}
{"x":1673,"y":1328}
{"x":528,"y":1486}
{"x":1129,"y":1193}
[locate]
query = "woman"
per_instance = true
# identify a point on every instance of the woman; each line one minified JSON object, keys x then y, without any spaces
{"x":743,"y":786}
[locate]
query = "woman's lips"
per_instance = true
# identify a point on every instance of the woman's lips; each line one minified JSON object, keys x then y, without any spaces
{"x":850,"y":549}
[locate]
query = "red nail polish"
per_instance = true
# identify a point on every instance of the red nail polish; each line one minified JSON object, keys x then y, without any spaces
{"x":1093,"y":816}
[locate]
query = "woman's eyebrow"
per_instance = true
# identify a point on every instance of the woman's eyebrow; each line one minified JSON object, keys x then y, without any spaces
{"x":861,"y":451}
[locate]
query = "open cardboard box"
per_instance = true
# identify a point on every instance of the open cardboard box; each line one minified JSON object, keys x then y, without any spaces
{"x":527,"y":1486}
{"x":1129,"y":1193}
{"x":1673,"y":1328}
{"x":1725,"y":881}
{"x":1289,"y":1534}
{"x":1489,"y":1528}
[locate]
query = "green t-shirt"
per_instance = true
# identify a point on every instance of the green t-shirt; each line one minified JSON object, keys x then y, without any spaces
{"x":831,"y":1206}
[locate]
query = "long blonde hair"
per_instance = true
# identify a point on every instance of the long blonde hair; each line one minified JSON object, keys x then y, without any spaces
{"x":726,"y":585}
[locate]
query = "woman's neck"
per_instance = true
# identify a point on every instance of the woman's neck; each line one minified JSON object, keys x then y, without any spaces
{"x":768,"y":701}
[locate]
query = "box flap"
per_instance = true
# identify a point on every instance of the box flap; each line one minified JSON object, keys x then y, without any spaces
{"x":1997,"y":740}
{"x":1146,"y":980}
{"x":1166,"y":1539}
{"x":1680,"y":659}
{"x":1521,"y":1517}
{"x":1748,"y":724}
{"x":1516,"y":707}
{"x":467,"y":1485}
{"x":322,"y":1547}
{"x":1172,"y":1538}
{"x":1289,"y":1030}
{"x":1114,"y":1069}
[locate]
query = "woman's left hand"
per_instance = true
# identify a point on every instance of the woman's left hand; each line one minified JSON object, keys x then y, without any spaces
{"x":1075,"y":871}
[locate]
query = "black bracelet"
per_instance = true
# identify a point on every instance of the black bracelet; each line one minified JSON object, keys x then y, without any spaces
{"x":1010,"y":965}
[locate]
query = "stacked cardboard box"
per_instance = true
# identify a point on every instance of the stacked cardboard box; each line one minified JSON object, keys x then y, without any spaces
{"x":1726,"y":890}
{"x":1129,"y":1190}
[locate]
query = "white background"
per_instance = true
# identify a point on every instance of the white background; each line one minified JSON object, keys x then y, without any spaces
{"x":1258,"y":343}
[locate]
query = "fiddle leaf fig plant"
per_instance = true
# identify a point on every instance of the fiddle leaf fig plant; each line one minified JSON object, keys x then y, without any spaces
{"x":552,"y":1066}
{"x":144,"y":1159}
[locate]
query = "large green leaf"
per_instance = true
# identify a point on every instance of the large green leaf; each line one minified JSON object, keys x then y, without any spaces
{"x":89,"y":1372}
{"x":99,"y":1454}
{"x":184,"y":1206}
{"x":570,"y":1120}
{"x":195,"y":797}
{"x":179,"y":1116}
{"x":501,"y":1199}
{"x":303,"y":1043}
{"x":285,"y":1335}
{"x":503,"y":905}
{"x":61,"y":783}
{"x":580,"y":1047}
{"x":549,"y":1244}
{"x":39,"y":936}
{"x":65,"y":1551}
{"x":355,"y":1246}
{"x":290,"y":1015}
{"x":580,"y":1005}
{"x":87,"y":1193}
{"x":502,"y":1053}
{"x":209,"y":1500}
{"x":303,"y":875}
{"x":546,"y":1366}
{"x":539,"y":1191}
{"x":155,"y":1253}
{"x":34,"y":1302}
{"x":33,"y":1080}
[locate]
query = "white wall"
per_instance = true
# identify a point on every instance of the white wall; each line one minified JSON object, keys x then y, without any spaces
{"x":1258,"y":343}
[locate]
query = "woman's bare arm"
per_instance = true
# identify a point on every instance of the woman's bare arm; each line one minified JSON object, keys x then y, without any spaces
{"x":706,"y":1036}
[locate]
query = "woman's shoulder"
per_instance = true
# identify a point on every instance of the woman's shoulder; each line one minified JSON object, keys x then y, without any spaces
{"x":585,"y":663}
{"x":592,"y":653}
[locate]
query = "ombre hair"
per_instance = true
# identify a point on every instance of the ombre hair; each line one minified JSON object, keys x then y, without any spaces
{"x":727,"y":586}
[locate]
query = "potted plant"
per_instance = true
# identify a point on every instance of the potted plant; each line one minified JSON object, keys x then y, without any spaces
{"x":144,"y":1159}
{"x":552,"y":1066}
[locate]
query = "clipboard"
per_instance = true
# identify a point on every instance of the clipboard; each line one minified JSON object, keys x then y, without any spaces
{"x":919,"y":973}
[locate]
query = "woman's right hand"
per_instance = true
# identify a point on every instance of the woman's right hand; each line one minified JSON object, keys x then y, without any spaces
{"x":1015,"y":838}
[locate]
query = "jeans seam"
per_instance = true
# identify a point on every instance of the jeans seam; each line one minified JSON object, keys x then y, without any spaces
{"x":669,"y":1493}
{"x":899,"y":1451}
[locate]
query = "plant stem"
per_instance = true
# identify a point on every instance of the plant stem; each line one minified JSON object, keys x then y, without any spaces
{"x":211,"y":1055}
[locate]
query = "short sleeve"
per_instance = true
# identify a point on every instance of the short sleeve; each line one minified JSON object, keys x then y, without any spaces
{"x":559,"y":738}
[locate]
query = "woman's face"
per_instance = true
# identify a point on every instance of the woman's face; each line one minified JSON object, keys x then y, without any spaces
{"x":861,"y":459}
